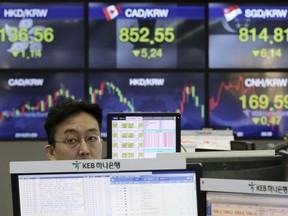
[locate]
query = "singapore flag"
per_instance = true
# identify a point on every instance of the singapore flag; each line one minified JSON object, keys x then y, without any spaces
{"x":111,"y":12}
{"x":231,"y":12}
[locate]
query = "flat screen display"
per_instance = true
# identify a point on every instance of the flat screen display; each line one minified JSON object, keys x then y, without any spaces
{"x":142,"y":135}
{"x":41,"y":35}
{"x":254,"y":105}
{"x":25,"y":99}
{"x":250,"y":197}
{"x":107,"y":187}
{"x":248,"y":36}
{"x":146,"y":35}
{"x":151,"y":92}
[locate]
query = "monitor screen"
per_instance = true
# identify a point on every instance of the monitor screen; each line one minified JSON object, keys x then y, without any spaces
{"x":41,"y":35}
{"x":249,"y":197}
{"x":25,"y":98}
{"x":248,"y":35}
{"x":151,"y":92}
{"x":270,"y":168}
{"x":107,"y":187}
{"x":146,"y":35}
{"x":142,"y":135}
{"x":249,"y":165}
{"x":257,"y":103}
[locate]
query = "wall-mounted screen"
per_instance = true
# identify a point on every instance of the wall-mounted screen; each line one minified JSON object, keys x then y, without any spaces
{"x":25,"y":99}
{"x":41,"y":35}
{"x":151,"y":92}
{"x":254,"y":105}
{"x":248,"y":36}
{"x":146,"y":35}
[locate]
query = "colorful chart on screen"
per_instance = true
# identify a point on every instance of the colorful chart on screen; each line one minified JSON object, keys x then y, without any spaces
{"x":26,"y":97}
{"x":151,"y":92}
{"x":254,"y":105}
{"x":248,"y":36}
{"x":41,"y":35}
{"x":146,"y":35}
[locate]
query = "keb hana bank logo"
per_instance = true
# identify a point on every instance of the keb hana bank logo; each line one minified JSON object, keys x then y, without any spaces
{"x":100,"y":165}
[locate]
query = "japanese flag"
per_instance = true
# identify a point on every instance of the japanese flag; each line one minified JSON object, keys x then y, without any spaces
{"x":231,"y":12}
{"x":111,"y":12}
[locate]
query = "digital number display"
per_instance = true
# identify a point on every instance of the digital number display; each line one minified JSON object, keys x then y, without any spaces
{"x":254,"y":105}
{"x":41,"y":36}
{"x":25,"y":98}
{"x":146,"y":35}
{"x":151,"y":92}
{"x":248,"y":36}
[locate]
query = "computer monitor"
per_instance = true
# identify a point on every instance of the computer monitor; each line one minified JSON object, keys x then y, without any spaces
{"x":249,"y":165}
{"x":143,"y":134}
{"x":245,"y":197}
{"x":107,"y":187}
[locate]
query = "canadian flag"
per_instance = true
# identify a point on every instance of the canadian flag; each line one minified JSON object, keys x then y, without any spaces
{"x":111,"y":12}
{"x":231,"y":12}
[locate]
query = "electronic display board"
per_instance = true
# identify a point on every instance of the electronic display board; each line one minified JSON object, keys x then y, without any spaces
{"x":254,"y":105}
{"x":146,"y":35}
{"x":25,"y":98}
{"x":248,"y":36}
{"x":151,"y":92}
{"x":41,"y":35}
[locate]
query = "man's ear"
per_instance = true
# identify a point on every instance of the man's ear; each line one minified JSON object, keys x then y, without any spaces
{"x":50,"y":152}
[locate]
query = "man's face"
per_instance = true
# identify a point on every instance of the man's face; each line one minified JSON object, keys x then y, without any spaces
{"x":79,"y":126}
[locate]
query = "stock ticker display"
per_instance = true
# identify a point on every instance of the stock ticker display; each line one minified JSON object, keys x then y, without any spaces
{"x":218,"y":64}
{"x":248,"y":36}
{"x":151,"y":92}
{"x":25,"y":99}
{"x":254,"y":105}
{"x":41,"y":35}
{"x":146,"y":35}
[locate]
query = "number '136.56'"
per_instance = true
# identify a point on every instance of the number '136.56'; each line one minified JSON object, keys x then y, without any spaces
{"x":22,"y":35}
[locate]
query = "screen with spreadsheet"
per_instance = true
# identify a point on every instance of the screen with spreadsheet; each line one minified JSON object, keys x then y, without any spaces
{"x":245,"y":197}
{"x":147,"y":191}
{"x":142,"y":135}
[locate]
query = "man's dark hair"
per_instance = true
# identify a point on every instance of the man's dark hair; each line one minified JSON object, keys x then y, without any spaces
{"x":65,"y":108}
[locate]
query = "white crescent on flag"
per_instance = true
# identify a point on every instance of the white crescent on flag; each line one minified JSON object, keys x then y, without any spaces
{"x":111,"y":12}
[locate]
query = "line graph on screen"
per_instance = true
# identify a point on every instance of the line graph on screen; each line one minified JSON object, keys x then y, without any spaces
{"x":41,"y":106}
{"x":151,"y":92}
{"x":188,"y":97}
{"x":238,"y":87}
{"x":259,"y":102}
